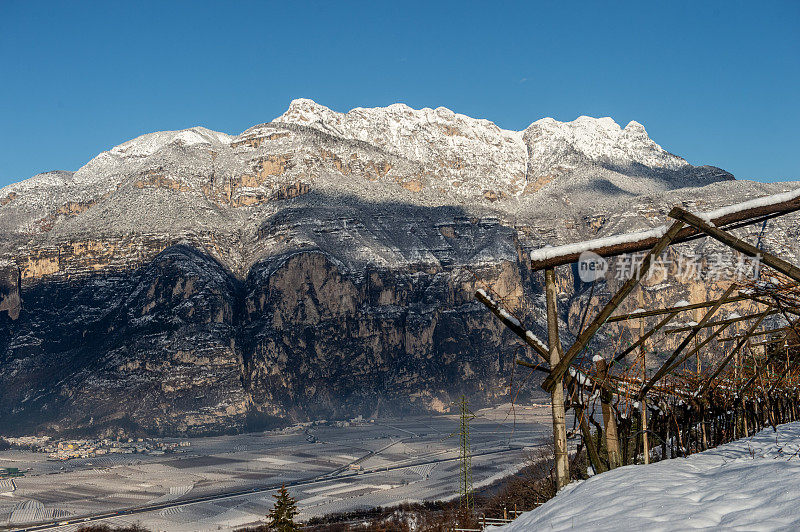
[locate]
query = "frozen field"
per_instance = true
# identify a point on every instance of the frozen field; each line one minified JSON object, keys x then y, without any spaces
{"x":410,"y":459}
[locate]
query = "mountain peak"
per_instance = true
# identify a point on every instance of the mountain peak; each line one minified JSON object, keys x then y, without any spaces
{"x":588,"y":140}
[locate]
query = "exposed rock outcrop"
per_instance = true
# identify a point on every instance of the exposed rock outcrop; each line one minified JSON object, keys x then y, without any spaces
{"x":320,"y":265}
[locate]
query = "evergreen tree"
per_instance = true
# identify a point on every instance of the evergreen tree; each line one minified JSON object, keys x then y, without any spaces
{"x":281,"y":517}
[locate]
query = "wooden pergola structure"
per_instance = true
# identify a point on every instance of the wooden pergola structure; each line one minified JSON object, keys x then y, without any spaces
{"x":710,"y":407}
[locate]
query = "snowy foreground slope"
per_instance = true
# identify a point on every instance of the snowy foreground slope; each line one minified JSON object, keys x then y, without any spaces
{"x":750,"y":484}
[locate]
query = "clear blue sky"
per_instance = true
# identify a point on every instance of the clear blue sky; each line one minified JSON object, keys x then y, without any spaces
{"x":714,"y":82}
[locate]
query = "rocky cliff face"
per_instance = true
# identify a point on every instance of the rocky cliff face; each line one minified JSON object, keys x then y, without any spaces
{"x":319,"y":265}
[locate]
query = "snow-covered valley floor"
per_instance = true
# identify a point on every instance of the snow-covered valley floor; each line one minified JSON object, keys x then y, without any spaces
{"x":749,"y":484}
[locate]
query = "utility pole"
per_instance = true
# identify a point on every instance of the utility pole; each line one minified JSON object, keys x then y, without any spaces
{"x":465,"y":486}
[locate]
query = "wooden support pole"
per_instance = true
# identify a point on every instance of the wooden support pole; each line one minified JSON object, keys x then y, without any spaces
{"x":695,"y":349}
{"x":735,"y":351}
{"x":609,"y":419}
{"x":557,"y":392}
{"x":644,"y":337}
{"x":645,"y":435}
{"x":520,"y":330}
{"x":591,"y":449}
{"x":665,"y":367}
{"x":586,"y":432}
{"x":736,"y":243}
{"x":558,"y":370}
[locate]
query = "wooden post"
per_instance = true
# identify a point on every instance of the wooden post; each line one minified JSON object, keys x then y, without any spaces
{"x":745,"y":413}
{"x":591,"y":449}
{"x":609,"y":418}
{"x":557,"y":393}
{"x":643,"y":402}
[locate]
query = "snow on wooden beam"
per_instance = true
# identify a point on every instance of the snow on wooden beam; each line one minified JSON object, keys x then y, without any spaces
{"x":738,"y":244}
{"x":676,"y":308}
{"x":610,"y":246}
{"x":515,"y":325}
{"x":532,"y":340}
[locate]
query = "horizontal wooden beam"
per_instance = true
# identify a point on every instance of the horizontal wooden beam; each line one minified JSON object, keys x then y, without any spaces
{"x":738,"y":244}
{"x":757,"y":333}
{"x":728,"y":221}
{"x":669,"y":310}
{"x":717,"y":323}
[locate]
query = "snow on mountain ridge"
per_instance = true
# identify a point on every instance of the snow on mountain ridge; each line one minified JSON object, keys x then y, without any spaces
{"x":144,"y":146}
{"x":149,"y":143}
{"x":598,"y":140}
{"x":505,"y":158}
{"x":461,"y":155}
{"x":463,"y":149}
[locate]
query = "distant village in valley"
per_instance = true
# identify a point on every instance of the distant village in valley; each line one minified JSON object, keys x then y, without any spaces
{"x":88,"y":448}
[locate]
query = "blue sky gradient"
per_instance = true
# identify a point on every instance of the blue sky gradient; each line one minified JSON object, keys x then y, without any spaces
{"x":716,"y":83}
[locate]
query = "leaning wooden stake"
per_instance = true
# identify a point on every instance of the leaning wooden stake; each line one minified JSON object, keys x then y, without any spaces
{"x":580,"y":413}
{"x":591,"y":449}
{"x":557,"y":394}
{"x":738,"y":244}
{"x":609,"y":418}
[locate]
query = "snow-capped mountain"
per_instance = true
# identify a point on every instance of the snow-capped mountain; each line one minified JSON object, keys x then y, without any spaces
{"x":319,"y":264}
{"x":423,"y":157}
